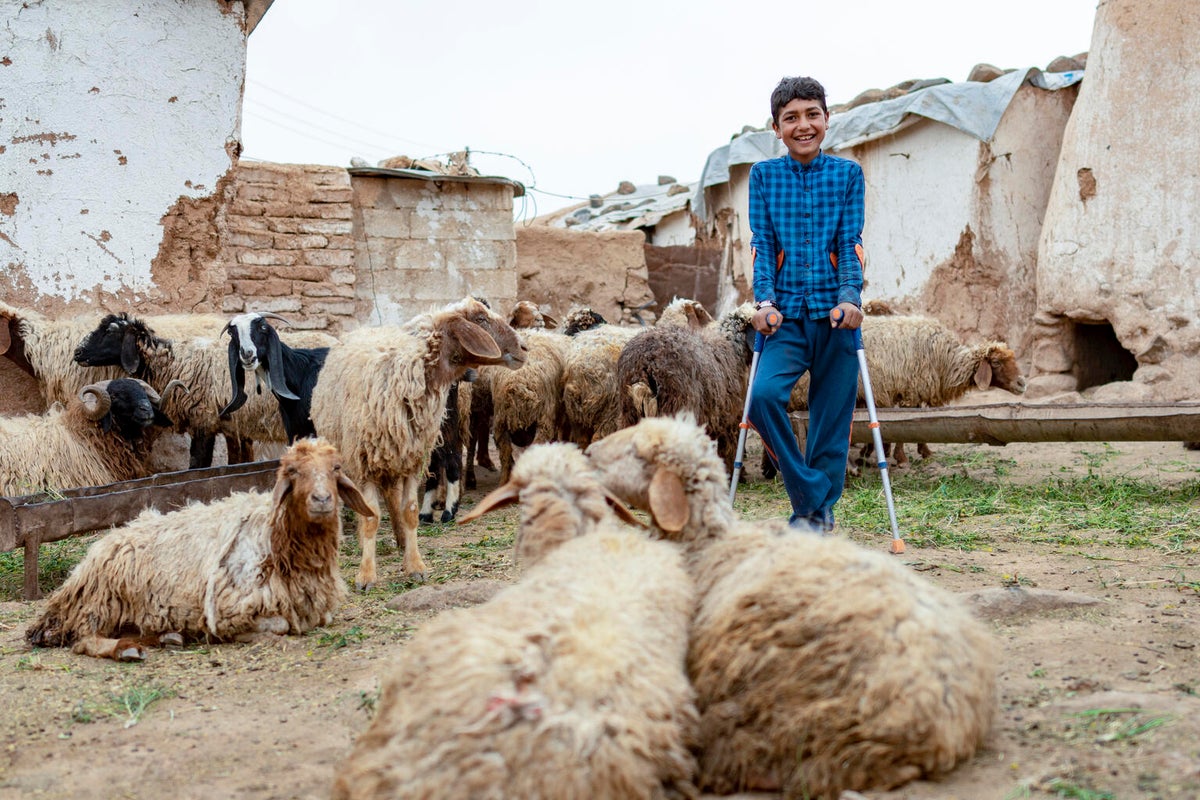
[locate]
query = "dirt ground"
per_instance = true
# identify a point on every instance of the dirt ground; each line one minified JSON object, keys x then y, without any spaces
{"x":1099,"y":682}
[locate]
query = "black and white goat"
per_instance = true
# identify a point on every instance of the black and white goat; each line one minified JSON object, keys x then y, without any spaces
{"x":290,"y":373}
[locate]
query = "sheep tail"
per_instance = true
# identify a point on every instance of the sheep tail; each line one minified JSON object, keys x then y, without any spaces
{"x":645,"y":403}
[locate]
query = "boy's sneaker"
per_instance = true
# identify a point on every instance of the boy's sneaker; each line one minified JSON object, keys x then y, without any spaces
{"x":818,"y":521}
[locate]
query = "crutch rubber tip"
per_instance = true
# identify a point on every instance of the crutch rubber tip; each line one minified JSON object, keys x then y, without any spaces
{"x":897,"y":546}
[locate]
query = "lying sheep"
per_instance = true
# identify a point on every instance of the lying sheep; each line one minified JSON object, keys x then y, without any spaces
{"x":568,"y":684}
{"x":380,"y":400}
{"x":102,"y":437}
{"x":819,"y":666}
{"x":704,"y":371}
{"x":245,"y":567}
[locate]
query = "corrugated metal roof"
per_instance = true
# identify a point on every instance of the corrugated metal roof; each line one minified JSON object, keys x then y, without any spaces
{"x":645,"y":206}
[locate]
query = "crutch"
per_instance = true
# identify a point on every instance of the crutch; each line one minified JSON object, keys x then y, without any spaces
{"x":897,"y":542}
{"x":744,"y":426}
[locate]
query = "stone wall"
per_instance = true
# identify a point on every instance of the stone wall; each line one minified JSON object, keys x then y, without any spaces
{"x":420,"y":244}
{"x":289,"y":245}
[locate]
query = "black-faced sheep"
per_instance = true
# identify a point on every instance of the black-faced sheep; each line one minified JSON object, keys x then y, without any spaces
{"x":666,"y":370}
{"x":289,"y":373}
{"x":380,"y":400}
{"x":443,"y":480}
{"x":247,"y":566}
{"x":819,"y":666}
{"x":101,"y":437}
{"x":581,"y":318}
{"x":568,"y":684}
{"x":187,"y":347}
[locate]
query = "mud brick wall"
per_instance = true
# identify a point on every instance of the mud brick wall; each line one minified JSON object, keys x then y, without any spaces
{"x":289,"y":245}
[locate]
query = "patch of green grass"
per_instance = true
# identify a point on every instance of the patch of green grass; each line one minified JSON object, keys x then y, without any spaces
{"x":340,"y":639}
{"x":134,"y":701}
{"x":1062,"y":788}
{"x":1118,"y":724}
{"x":55,"y":562}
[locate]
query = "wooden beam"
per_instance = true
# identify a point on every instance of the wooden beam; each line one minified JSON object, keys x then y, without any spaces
{"x":1002,"y":423}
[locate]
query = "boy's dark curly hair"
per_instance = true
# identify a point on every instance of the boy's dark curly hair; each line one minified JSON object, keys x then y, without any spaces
{"x":790,"y":89}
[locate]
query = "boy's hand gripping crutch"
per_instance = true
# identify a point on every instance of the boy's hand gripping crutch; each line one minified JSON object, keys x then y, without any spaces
{"x":773,"y":319}
{"x":897,"y":542}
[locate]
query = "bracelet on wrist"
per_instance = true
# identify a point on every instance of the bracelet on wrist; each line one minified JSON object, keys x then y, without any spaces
{"x":759,"y":306}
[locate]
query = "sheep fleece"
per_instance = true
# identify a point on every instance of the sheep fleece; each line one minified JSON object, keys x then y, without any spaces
{"x":569,"y":684}
{"x":875,"y":676}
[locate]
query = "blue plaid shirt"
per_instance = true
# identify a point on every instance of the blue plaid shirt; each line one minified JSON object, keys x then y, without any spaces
{"x":812,"y":214}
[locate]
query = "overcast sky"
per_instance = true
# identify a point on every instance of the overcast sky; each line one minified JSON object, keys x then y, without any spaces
{"x":580,"y":96}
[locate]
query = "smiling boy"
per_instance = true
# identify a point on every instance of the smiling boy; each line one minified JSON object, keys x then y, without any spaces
{"x":806,"y":219}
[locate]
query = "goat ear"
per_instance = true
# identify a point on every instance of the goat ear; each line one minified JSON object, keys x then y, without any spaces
{"x":131,"y":358}
{"x":275,"y":356}
{"x":498,"y":498}
{"x":983,"y":374}
{"x":352,"y":497}
{"x":622,"y":511}
{"x":668,"y":501}
{"x":475,"y":340}
{"x":237,"y":377}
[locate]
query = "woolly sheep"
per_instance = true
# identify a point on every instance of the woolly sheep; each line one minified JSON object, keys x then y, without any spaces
{"x":683,"y":312}
{"x":591,"y":402}
{"x":668,"y":370}
{"x":101,"y":437}
{"x":526,"y":315}
{"x":885,"y":677}
{"x":245,"y":567}
{"x":380,"y":400}
{"x":581,"y":318}
{"x":568,"y":684}
{"x":527,"y":404}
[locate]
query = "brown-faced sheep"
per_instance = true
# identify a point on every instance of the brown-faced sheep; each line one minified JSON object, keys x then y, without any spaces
{"x":819,"y":666}
{"x":669,"y":370}
{"x":380,"y":400}
{"x":101,"y":437}
{"x":248,"y":566}
{"x":568,"y":684}
{"x":683,"y":312}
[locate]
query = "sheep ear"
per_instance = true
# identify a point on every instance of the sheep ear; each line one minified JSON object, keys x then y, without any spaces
{"x":498,"y":498}
{"x":550,"y":321}
{"x":283,"y":486}
{"x":983,"y":375}
{"x":275,"y":355}
{"x":668,"y":501}
{"x":131,"y":359}
{"x":622,"y":511}
{"x":475,"y":340}
{"x":352,"y":497}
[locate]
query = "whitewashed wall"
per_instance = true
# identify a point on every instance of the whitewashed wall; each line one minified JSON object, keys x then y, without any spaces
{"x":111,"y":112}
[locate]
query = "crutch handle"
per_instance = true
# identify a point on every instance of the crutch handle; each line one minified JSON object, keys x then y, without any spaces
{"x":773,"y":317}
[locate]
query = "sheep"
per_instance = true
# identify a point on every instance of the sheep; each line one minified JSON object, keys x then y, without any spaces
{"x":667,"y":370}
{"x":918,"y":362}
{"x":102,"y":437}
{"x":248,"y":567}
{"x":591,"y":403}
{"x":682,"y":312}
{"x":581,"y":318}
{"x":380,"y":400}
{"x":527,"y":404}
{"x":187,"y":347}
{"x":819,"y":666}
{"x":568,"y":684}
{"x":525,"y":315}
{"x":290,"y":373}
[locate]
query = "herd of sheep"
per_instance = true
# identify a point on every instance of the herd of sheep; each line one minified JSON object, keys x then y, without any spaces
{"x":705,"y":653}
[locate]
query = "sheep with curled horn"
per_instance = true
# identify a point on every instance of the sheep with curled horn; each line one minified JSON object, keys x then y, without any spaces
{"x":380,"y":400}
{"x":103,"y":436}
{"x":819,"y":665}
{"x":253,"y":566}
{"x":289,"y":373}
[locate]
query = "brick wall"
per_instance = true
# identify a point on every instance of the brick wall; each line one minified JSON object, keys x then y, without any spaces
{"x":289,"y":246}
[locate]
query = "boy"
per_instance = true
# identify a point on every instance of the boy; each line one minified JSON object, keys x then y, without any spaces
{"x":806,"y":219}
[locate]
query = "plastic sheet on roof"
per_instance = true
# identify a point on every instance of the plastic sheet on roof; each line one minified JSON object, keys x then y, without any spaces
{"x":972,"y":107}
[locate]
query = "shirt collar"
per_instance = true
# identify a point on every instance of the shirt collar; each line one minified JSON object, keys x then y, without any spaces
{"x":813,"y":166}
